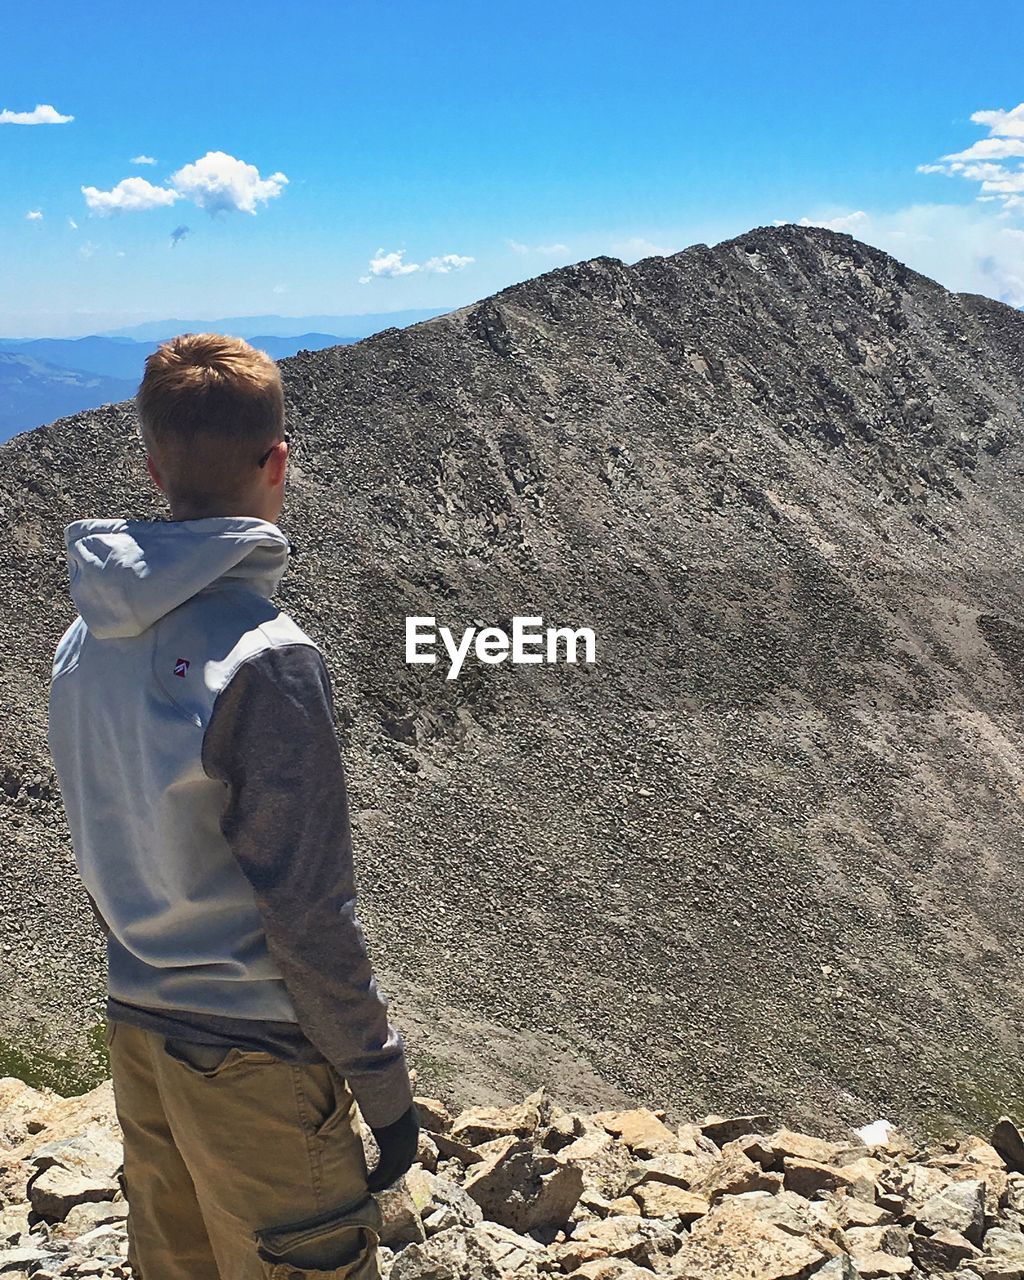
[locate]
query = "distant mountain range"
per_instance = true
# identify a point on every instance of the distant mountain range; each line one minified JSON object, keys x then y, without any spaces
{"x":33,"y":391}
{"x":46,"y":378}
{"x":125,"y":357}
{"x":249,"y":327}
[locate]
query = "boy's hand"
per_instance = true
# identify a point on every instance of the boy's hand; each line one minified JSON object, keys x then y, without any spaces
{"x":397,"y":1143}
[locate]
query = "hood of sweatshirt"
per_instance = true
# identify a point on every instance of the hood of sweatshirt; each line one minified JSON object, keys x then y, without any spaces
{"x":126,"y":574}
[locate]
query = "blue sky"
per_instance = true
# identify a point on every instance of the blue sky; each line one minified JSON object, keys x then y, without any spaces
{"x":482,"y":144}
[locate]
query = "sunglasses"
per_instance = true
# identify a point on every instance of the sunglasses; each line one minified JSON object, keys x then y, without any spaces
{"x":262,"y":460}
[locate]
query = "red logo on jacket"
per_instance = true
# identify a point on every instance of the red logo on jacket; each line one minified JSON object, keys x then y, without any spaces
{"x":181,"y":667}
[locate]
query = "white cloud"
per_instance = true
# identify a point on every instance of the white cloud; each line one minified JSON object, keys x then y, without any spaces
{"x":217,"y":183}
{"x":1003,"y":181}
{"x":72,"y":224}
{"x":129,"y":196}
{"x":143,"y":160}
{"x":220,"y":183}
{"x":989,"y":149}
{"x":88,"y":249}
{"x":983,"y":171}
{"x":979,"y":163}
{"x":637,"y":247}
{"x":390,"y":265}
{"x":42,"y":114}
{"x":544,"y":250}
{"x":1002,"y":124}
{"x":280,"y":288}
{"x":445,"y":263}
{"x":851,"y":223}
{"x":34,"y":215}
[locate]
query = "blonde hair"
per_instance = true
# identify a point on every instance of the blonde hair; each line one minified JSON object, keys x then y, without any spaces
{"x":209,"y":405}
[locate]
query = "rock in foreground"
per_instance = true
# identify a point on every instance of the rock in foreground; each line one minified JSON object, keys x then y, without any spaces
{"x":534,"y":1191}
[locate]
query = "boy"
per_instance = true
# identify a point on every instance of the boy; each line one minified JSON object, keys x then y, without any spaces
{"x":191,"y":727}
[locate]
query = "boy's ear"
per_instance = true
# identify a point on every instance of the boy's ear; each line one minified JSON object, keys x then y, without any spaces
{"x":277,"y":465}
{"x":154,"y":474}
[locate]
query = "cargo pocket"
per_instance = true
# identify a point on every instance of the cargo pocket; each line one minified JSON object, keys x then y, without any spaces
{"x":339,"y":1245}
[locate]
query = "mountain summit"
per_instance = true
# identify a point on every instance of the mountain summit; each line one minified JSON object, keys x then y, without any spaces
{"x":767,"y":852}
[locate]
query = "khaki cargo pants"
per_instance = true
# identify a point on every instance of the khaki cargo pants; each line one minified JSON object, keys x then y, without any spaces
{"x":238,"y":1166}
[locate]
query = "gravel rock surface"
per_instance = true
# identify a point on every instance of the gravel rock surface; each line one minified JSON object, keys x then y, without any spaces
{"x":765,"y":855}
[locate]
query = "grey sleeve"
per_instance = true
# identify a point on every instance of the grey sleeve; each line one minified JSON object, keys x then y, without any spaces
{"x":271,"y":739}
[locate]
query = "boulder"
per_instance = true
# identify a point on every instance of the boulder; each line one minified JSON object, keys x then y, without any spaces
{"x":484,"y":1252}
{"x":55,"y":1191}
{"x":14,"y":1222}
{"x":1009,"y":1143}
{"x":723,"y":1129}
{"x":23,"y":1261}
{"x":427,"y":1153}
{"x":610,"y":1269}
{"x":524,"y":1187}
{"x":440,"y":1202}
{"x":676,"y":1167}
{"x":484,"y":1124}
{"x":943,"y":1251}
{"x":732,"y":1242}
{"x":627,"y":1237}
{"x":453,"y":1150}
{"x":663,"y":1200}
{"x":640,"y":1129}
{"x":771,"y":1151}
{"x":85,"y":1217}
{"x":818,"y":1219}
{"x":731,"y":1174}
{"x":810,"y":1178}
{"x":959,"y":1207}
{"x":95,"y":1151}
{"x":606,"y":1164}
{"x":563,"y":1129}
{"x":878,"y":1266}
{"x":1005,"y":1248}
{"x":401,"y":1223}
{"x":434,"y":1115}
{"x":69,"y":1117}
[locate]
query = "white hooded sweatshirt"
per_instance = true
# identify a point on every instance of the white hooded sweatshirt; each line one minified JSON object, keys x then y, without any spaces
{"x":191,"y":727}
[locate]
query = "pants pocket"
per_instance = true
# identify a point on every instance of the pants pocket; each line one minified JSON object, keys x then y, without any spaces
{"x":328,"y":1099}
{"x":211,"y":1060}
{"x":340,"y":1245}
